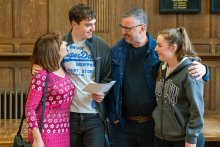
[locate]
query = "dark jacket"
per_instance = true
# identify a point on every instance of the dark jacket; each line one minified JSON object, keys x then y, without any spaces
{"x":151,"y":65}
{"x":180,"y":106}
{"x":101,"y":55}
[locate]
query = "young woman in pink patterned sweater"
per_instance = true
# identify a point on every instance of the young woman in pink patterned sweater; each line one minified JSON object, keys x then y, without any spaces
{"x":48,"y":52}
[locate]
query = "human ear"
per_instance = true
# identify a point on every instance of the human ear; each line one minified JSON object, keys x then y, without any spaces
{"x":174,"y":47}
{"x":73,"y":23}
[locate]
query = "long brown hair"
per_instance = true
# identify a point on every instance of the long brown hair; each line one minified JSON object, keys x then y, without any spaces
{"x":46,"y":51}
{"x":179,"y":37}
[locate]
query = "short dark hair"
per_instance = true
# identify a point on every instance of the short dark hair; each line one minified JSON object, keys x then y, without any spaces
{"x":80,"y":12}
{"x":46,"y":51}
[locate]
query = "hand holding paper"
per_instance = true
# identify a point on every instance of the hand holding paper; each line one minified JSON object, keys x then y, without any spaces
{"x":98,"y":97}
{"x":96,"y":88}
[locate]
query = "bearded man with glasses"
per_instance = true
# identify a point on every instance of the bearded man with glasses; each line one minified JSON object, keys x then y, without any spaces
{"x":134,"y":67}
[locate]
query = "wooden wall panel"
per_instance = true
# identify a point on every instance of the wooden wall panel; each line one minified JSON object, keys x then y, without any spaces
{"x":216,"y":25}
{"x":15,"y":73}
{"x":217,"y":83}
{"x":103,"y":15}
{"x":32,"y":18}
{"x":218,"y":48}
{"x":8,"y":80}
{"x":5,"y":19}
{"x":25,"y":77}
{"x":200,"y":21}
{"x":26,"y":48}
{"x":22,"y":22}
{"x":159,"y":21}
{"x":58,"y":15}
{"x":6,"y":29}
{"x":202,"y":48}
{"x":211,"y":91}
{"x":6,"y":48}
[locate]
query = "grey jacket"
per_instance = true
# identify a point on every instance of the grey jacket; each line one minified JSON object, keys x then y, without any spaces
{"x":101,"y":55}
{"x":180,"y":106}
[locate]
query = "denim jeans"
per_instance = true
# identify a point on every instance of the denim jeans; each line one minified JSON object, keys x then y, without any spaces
{"x":181,"y":143}
{"x":86,"y":130}
{"x":133,"y":134}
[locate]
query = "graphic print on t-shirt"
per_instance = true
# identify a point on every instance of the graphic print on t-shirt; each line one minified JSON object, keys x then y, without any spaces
{"x":83,"y":61}
{"x":79,"y":64}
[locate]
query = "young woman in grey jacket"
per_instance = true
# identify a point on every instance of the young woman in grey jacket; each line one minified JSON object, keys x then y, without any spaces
{"x":180,"y":107}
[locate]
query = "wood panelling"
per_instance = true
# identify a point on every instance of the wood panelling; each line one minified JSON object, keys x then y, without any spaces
{"x":103,"y":15}
{"x":58,"y":15}
{"x":6,"y":48}
{"x":218,"y":49}
{"x":7,"y":77}
{"x":216,"y":27}
{"x":159,"y":21}
{"x":201,"y":20}
{"x":6,"y":18}
{"x":15,"y":73}
{"x":211,"y":92}
{"x":31,"y":18}
{"x":23,"y":21}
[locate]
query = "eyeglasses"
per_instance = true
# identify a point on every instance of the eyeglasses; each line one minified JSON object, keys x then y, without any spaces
{"x":127,"y":29}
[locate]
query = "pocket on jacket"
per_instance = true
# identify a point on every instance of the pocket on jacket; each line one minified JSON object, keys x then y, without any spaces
{"x":172,"y":126}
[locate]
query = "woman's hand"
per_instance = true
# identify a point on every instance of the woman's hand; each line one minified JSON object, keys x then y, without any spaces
{"x":38,"y":143}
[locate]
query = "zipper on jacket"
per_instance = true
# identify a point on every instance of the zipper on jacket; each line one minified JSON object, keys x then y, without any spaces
{"x":162,"y":103}
{"x":161,"y":114}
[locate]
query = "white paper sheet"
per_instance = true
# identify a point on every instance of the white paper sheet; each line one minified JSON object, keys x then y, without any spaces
{"x":95,"y":87}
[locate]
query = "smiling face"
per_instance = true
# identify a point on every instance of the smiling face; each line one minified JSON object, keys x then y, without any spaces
{"x":165,"y":51}
{"x":84,"y":29}
{"x":131,"y":29}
